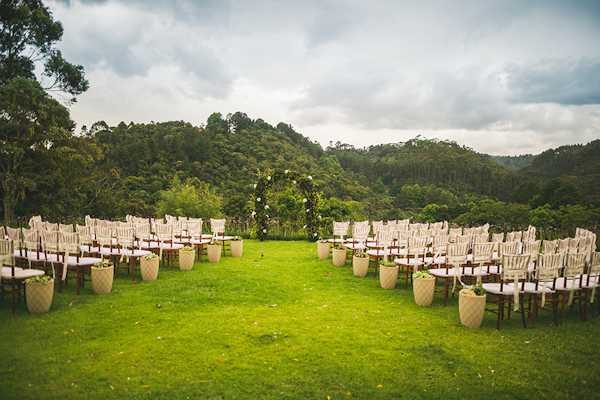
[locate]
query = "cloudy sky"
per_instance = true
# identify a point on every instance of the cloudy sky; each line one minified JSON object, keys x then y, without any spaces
{"x":503,"y":77}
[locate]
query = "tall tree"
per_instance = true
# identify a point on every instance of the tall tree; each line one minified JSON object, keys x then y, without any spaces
{"x":30,"y":120}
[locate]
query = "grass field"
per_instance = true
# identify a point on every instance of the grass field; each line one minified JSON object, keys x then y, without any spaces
{"x":280,"y":323}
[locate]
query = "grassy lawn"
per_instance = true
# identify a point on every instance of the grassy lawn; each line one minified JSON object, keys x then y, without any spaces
{"x":280,"y":323}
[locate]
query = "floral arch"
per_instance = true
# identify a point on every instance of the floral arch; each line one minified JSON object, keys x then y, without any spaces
{"x":311,"y":200}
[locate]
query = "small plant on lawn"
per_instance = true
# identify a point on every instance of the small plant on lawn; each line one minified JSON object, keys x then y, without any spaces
{"x":106,"y":263}
{"x":361,"y":254}
{"x":473,"y":290}
{"x":422,"y":275}
{"x":38,"y":279}
{"x":388,"y":264}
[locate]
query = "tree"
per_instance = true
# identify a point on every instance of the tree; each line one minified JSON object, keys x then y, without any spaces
{"x":27,"y":37}
{"x":30,"y":120}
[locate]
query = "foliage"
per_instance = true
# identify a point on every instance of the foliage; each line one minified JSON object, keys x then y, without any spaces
{"x":195,"y":199}
{"x":187,"y":248}
{"x":311,"y":200}
{"x":32,"y":122}
{"x":105,"y":263}
{"x":421,"y":274}
{"x":473,"y":290}
{"x":43,"y":279}
{"x":150,"y":256}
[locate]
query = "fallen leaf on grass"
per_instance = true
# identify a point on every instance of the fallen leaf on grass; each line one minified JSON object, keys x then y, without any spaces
{"x":158,"y":305}
{"x":326,"y":273}
{"x":379,"y":386}
{"x":223,"y":359}
{"x":68,"y":361}
{"x":209,"y":332}
{"x":11,"y":369}
{"x":65,"y":332}
{"x":160,"y":338}
{"x":111,"y":387}
{"x":479,"y":375}
{"x":349,"y":394}
{"x":528,"y":341}
{"x":145,"y":386}
{"x":92,"y":355}
{"x":71,"y":303}
{"x":273,"y":305}
{"x":137,"y":322}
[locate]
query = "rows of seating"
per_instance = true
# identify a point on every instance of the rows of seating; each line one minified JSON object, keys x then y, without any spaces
{"x":548,"y":274}
{"x":68,"y":251}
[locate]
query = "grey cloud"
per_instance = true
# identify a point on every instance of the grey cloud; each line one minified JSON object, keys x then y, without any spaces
{"x":566,"y":81}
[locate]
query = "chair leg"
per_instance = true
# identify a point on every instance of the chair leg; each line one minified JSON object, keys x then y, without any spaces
{"x":522,"y":303}
{"x":535,"y":307}
{"x":500,"y":310}
{"x":554,"y":298}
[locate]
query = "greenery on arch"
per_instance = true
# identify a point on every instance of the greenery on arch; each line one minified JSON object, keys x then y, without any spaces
{"x":311,"y":200}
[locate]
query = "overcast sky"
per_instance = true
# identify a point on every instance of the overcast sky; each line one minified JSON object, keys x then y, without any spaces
{"x":503,"y":77}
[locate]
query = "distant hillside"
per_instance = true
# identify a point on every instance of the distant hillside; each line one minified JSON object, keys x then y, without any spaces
{"x":578,"y":164}
{"x":443,"y":164}
{"x":514,"y":163}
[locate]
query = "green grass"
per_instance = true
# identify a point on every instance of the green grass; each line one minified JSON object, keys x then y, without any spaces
{"x":283,"y":326}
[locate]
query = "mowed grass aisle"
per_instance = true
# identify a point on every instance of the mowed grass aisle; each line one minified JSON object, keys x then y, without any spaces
{"x":280,"y":323}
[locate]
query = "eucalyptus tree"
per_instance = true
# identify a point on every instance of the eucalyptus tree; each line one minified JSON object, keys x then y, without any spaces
{"x":31,"y":121}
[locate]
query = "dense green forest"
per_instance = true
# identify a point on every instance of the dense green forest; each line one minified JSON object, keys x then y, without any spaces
{"x":209,"y":170}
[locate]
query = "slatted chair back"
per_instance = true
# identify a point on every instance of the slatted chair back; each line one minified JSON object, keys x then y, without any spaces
{"x":7,"y":253}
{"x":481,"y":238}
{"x":177,"y":227}
{"x":573,"y":246}
{"x":594,"y":266}
{"x":68,"y":242}
{"x":2,"y":233}
{"x":463,"y":239}
{"x":49,"y":242}
{"x":67,"y":228}
{"x":482,"y":253}
{"x":164,"y":232}
{"x":515,"y":267}
{"x":456,"y":255}
{"x":194,"y":229}
{"x":514,"y":236}
{"x":478,"y":230}
{"x":104,"y":236}
{"x":468,"y":231}
{"x":360,"y":233}
{"x":455,"y":232}
{"x":217,"y":226}
{"x":508,"y":248}
{"x":439,"y":244}
{"x":549,"y":246}
{"x":14,"y":234}
{"x":416,"y":246}
{"x":49,"y":226}
{"x":548,"y":266}
{"x":31,"y":240}
{"x":85,"y":237}
{"x":340,"y":229}
{"x":532,"y":248}
{"x":126,"y":237}
{"x":563,"y":245}
{"x":574,"y":265}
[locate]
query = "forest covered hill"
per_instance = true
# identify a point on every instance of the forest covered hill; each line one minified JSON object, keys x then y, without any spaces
{"x":142,"y":169}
